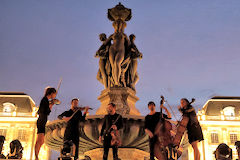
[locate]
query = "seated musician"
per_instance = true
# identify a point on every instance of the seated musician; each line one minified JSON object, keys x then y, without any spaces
{"x":194,"y":129}
{"x":111,"y":121}
{"x":72,"y":128}
{"x":151,"y":121}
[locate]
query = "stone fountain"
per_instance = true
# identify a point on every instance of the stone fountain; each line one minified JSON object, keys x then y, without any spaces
{"x":118,"y":58}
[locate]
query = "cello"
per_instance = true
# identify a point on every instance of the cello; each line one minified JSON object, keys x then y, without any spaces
{"x":164,"y":138}
{"x":181,"y":127}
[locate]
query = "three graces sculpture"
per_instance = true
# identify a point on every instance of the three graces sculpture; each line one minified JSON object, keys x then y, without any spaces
{"x":118,"y":53}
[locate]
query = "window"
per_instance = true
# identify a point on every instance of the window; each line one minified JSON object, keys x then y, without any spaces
{"x":229,"y":111}
{"x":214,"y":138}
{"x":8,"y":107}
{"x":233,"y":138}
{"x":22,"y":133}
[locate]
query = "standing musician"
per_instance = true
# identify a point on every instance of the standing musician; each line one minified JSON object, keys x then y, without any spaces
{"x":194,"y":129}
{"x":151,"y":121}
{"x":73,"y":117}
{"x":43,"y":112}
{"x":112,"y":121}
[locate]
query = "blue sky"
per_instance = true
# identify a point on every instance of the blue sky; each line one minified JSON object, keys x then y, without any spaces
{"x":190,"y":48}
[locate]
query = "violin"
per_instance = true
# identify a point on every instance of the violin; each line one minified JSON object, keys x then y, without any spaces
{"x":114,"y":133}
{"x":115,"y":138}
{"x":55,"y":101}
{"x":83,"y":108}
{"x":77,"y":109}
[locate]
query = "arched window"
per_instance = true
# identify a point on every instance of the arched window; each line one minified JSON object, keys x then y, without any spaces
{"x":229,"y":112}
{"x":8,"y":107}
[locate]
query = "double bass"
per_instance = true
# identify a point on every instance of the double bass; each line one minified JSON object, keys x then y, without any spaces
{"x":164,"y":139}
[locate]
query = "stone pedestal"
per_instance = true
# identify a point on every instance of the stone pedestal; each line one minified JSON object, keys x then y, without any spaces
{"x":125,"y":99}
{"x":123,"y":154}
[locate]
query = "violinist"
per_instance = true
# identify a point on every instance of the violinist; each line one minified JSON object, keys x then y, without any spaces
{"x":111,"y":121}
{"x":73,"y":117}
{"x":194,"y":129}
{"x":43,"y":112}
{"x":151,"y":121}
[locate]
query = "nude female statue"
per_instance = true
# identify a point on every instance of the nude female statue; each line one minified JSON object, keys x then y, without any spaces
{"x":117,"y":49}
{"x":134,"y":54}
{"x":102,"y":53}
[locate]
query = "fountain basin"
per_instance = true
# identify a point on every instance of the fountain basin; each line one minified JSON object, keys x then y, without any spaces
{"x":132,"y":134}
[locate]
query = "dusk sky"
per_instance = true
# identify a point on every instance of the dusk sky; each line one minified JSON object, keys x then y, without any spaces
{"x":190,"y":48}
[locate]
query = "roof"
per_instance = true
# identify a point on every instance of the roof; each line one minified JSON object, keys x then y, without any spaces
{"x":22,"y":101}
{"x":225,"y":97}
{"x":215,"y":105}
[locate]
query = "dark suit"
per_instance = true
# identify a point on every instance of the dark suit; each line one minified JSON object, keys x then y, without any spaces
{"x":107,"y":123}
{"x":72,"y":128}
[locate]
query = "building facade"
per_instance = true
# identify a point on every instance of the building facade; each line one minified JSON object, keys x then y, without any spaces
{"x":220,"y":121}
{"x":18,"y":121}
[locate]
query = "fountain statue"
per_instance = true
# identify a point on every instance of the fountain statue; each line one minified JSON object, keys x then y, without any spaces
{"x":118,"y":54}
{"x":118,"y":58}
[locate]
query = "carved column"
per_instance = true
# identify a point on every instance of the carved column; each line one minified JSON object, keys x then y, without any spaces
{"x":124,"y":98}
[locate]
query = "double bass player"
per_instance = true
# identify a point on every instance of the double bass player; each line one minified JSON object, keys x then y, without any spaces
{"x":194,"y":129}
{"x":151,"y":121}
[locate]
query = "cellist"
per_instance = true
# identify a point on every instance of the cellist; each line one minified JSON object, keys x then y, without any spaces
{"x":151,"y":121}
{"x":194,"y":129}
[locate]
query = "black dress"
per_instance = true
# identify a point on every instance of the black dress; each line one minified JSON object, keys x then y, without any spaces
{"x":194,"y":129}
{"x":43,"y":113}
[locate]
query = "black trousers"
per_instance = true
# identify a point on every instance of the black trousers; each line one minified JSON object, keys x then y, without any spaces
{"x":107,"y":145}
{"x":74,"y":136}
{"x":76,"y":142}
{"x":152,"y":142}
